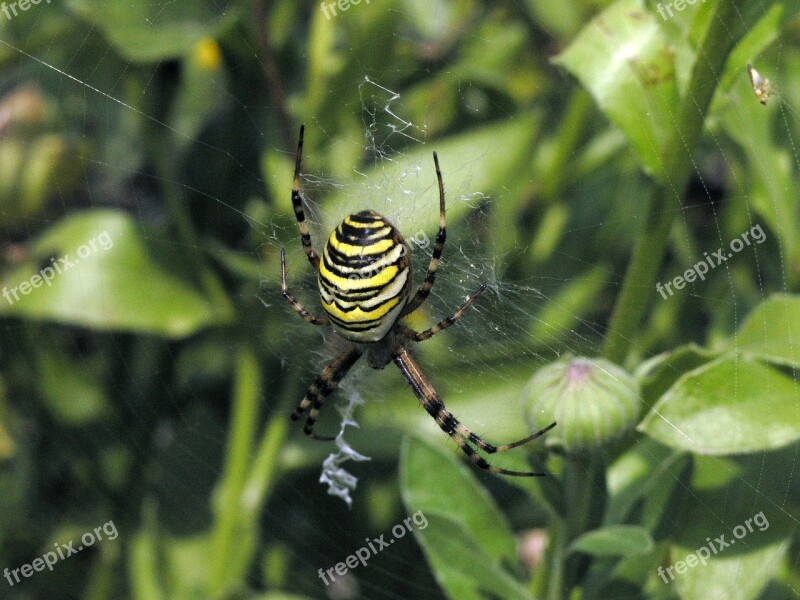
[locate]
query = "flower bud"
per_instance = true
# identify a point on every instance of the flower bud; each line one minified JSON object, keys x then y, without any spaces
{"x":593,"y":401}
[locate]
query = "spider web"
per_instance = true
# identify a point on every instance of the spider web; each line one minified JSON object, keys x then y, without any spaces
{"x":505,"y":331}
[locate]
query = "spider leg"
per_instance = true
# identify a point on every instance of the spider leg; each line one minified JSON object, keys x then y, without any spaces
{"x":304,"y":314}
{"x":323,"y":385}
{"x":425,"y":289}
{"x":444,"y":324}
{"x":297,"y":202}
{"x":433,"y":404}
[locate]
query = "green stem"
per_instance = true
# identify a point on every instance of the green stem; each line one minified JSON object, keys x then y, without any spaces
{"x":265,"y":466}
{"x":571,"y":130}
{"x":557,"y":558}
{"x":665,"y":201}
{"x":224,"y":564}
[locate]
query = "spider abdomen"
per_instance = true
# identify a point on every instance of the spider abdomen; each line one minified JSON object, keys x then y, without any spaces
{"x":364,"y":277}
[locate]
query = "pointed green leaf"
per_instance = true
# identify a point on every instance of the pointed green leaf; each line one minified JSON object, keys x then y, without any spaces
{"x":429,"y":474}
{"x":624,"y":60}
{"x":617,"y":540}
{"x":466,"y":539}
{"x":111,"y":275}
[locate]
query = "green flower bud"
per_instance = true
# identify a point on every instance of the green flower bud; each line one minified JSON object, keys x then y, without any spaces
{"x":593,"y":401}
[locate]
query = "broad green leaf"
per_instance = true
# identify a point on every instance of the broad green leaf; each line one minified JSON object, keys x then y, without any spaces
{"x":623,"y":59}
{"x":772,"y":331}
{"x":428,"y":476}
{"x":467,"y":539}
{"x":476,"y":163}
{"x":731,"y":406}
{"x":113,"y":275}
{"x":656,"y":375}
{"x":460,"y":565}
{"x":728,"y":575}
{"x":741,"y":531}
{"x":616,"y":540}
{"x":150,"y":32}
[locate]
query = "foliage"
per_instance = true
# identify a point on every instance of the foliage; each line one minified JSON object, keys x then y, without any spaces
{"x":609,"y":149}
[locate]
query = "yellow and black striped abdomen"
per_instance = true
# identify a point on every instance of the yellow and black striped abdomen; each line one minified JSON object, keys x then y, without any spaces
{"x":364,"y":277}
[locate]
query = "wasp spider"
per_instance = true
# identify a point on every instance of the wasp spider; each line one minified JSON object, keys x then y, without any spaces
{"x":364,"y":280}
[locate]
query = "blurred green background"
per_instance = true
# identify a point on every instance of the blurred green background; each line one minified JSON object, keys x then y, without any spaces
{"x":590,"y":149}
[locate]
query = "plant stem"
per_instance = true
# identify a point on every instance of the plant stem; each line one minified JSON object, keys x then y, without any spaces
{"x":665,"y":201}
{"x":226,"y":561}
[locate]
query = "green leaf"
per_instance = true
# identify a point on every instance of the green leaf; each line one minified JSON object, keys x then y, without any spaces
{"x":71,"y":389}
{"x":467,"y":538}
{"x":727,"y":575}
{"x":759,"y":37}
{"x":115,"y":277}
{"x":623,"y":59}
{"x":769,"y":167}
{"x":745,"y":530}
{"x":772,"y":331}
{"x":428,"y":477}
{"x":461,"y":566}
{"x":657,"y":374}
{"x":147,"y":32}
{"x":712,"y":472}
{"x":616,"y":540}
{"x":730,"y":406}
{"x":479,"y":161}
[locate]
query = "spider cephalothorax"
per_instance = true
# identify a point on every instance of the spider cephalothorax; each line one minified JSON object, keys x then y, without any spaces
{"x":364,"y":280}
